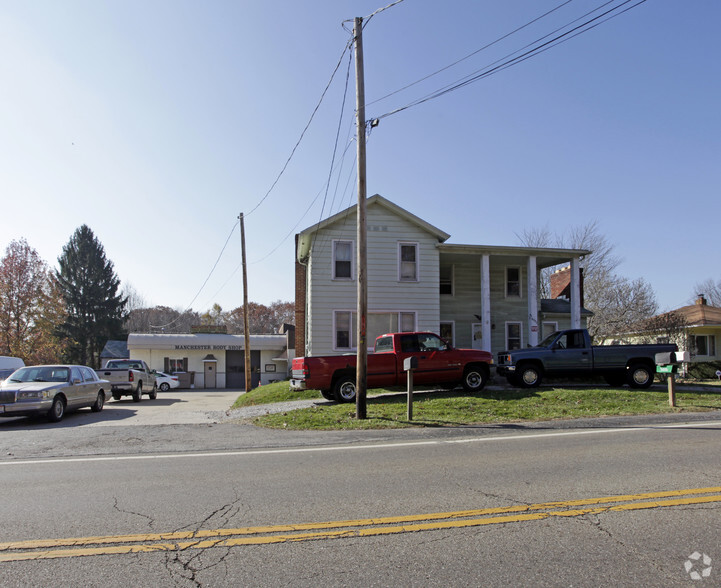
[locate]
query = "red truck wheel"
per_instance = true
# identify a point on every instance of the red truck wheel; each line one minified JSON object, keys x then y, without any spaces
{"x":344,"y":389}
{"x":474,"y":378}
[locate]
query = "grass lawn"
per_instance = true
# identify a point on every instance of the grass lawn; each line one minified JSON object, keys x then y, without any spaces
{"x":457,"y":408}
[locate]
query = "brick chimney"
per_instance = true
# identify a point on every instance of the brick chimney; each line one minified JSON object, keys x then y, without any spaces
{"x":561,"y":283}
{"x":701,"y":300}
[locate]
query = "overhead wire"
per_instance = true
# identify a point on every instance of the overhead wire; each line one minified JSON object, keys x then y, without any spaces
{"x":511,"y":61}
{"x":462,"y":59}
{"x":204,"y":283}
{"x":305,"y":129}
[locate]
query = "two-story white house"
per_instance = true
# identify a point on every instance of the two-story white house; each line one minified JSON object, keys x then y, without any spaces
{"x":479,"y":296}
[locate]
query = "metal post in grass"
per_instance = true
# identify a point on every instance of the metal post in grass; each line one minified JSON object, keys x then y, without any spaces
{"x":409,"y":364}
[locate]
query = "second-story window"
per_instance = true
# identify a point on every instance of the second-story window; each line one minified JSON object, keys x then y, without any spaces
{"x":446,"y":279}
{"x":342,"y":260}
{"x":408,"y":262}
{"x":513,"y":282}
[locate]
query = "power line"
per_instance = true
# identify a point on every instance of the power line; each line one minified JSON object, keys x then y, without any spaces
{"x":204,"y":283}
{"x":302,"y":135}
{"x":477,"y":51}
{"x":511,"y":61}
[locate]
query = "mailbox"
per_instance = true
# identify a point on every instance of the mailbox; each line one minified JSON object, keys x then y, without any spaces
{"x":672,"y":357}
{"x":410,"y":363}
{"x":665,"y":358}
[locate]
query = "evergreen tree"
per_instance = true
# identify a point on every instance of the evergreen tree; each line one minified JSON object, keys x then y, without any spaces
{"x":90,"y":290}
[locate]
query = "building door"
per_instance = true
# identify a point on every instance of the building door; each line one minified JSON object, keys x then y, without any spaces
{"x":235,"y":369}
{"x":210,"y":368}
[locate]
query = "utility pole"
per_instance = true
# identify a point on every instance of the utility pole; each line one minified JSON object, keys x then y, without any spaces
{"x":361,"y":265}
{"x":248,"y":380}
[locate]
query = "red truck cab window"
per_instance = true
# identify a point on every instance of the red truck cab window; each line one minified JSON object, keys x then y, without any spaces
{"x":384,"y":344}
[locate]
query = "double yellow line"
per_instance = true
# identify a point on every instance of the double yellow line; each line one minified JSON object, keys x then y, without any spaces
{"x":180,"y":541}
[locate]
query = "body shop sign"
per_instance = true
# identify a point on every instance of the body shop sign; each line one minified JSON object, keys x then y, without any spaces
{"x":209,"y":347}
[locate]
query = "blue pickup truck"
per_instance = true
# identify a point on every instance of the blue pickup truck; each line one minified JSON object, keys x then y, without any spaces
{"x":570,"y":354}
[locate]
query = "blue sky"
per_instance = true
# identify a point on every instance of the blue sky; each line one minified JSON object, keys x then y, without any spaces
{"x":157,"y":122}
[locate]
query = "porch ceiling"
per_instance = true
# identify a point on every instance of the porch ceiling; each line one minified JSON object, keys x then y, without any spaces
{"x":545,"y":257}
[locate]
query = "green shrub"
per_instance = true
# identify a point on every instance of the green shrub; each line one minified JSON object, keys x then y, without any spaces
{"x":705,"y":370}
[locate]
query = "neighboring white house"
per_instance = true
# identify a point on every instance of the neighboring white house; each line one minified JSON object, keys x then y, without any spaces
{"x":478,"y":296}
{"x":696,"y":328}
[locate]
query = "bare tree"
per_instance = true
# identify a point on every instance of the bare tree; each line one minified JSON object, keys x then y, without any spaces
{"x":617,"y":303}
{"x":161,"y":319}
{"x":669,"y":327}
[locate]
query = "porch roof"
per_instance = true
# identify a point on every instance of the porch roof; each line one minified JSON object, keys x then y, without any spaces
{"x":545,"y":257}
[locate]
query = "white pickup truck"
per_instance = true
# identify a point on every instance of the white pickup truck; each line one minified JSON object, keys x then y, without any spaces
{"x":129,"y":377}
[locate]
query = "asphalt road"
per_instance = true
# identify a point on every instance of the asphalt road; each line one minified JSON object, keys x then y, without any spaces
{"x":218,"y":503}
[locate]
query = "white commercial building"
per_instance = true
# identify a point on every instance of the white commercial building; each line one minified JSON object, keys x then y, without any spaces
{"x":215,"y":360}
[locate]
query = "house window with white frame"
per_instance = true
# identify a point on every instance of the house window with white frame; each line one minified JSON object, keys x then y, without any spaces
{"x":513,"y":282}
{"x":343,"y":330}
{"x":408,"y":262}
{"x":448,"y":331}
{"x":378,"y":323}
{"x":342,"y":260}
{"x":548,"y":327}
{"x":705,"y":345}
{"x":446,"y":279}
{"x":514,"y":335}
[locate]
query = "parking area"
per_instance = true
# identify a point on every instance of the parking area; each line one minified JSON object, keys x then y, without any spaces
{"x":174,"y":407}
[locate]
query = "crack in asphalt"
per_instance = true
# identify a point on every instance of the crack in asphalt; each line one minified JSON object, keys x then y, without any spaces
{"x":184,"y":566}
{"x":151,"y":520}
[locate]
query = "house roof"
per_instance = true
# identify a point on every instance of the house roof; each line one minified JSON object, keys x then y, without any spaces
{"x":305,"y":237}
{"x":560,"y":306}
{"x":698,"y":315}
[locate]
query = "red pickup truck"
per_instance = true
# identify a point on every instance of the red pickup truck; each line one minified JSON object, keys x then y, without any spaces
{"x":438,"y":363}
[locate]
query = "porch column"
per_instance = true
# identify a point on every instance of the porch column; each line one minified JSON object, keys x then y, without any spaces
{"x":532,"y":302}
{"x":575,"y":294}
{"x":486,"y":301}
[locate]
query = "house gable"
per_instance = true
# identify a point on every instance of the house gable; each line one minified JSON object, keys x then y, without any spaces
{"x":394,"y":297}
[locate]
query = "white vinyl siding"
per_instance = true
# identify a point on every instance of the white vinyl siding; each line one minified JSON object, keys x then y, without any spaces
{"x":385,"y":292}
{"x":377,"y":324}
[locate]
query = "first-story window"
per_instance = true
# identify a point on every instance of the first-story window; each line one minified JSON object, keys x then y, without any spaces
{"x":447,"y":331}
{"x":377,"y":324}
{"x":705,"y":345}
{"x":548,"y":327}
{"x":171,"y":365}
{"x":514,"y":336}
{"x":343,"y":330}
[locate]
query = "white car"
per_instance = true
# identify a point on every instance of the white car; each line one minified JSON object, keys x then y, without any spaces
{"x":166,"y":381}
